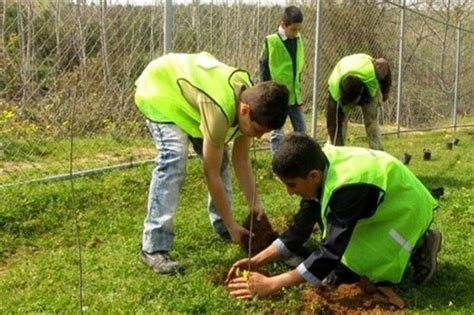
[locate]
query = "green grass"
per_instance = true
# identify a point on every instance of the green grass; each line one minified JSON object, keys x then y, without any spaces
{"x":38,"y":251}
{"x":23,"y":160}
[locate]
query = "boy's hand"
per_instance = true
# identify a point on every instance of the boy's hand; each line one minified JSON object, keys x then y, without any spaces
{"x":242,"y":264}
{"x":257,"y":284}
{"x":257,"y":211}
{"x":236,"y":231}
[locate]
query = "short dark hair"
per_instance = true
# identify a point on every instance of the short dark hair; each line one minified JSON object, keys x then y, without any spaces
{"x":268,"y":103}
{"x":351,"y":88}
{"x":291,"y":15}
{"x":297,"y":155}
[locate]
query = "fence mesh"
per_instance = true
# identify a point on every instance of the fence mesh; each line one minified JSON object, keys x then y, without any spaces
{"x":60,"y":55}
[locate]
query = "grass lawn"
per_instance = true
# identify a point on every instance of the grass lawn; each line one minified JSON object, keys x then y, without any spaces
{"x":39,"y":257}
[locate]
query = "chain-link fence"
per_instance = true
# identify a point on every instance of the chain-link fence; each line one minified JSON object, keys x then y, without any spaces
{"x":68,"y":67}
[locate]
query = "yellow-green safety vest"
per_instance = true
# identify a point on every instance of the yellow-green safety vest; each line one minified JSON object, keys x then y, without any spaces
{"x":358,"y":65}
{"x":381,"y":245}
{"x":159,"y":93}
{"x":281,"y":66}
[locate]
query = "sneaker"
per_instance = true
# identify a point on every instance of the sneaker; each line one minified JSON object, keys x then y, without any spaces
{"x":424,"y":257}
{"x":437,"y":192}
{"x":225,"y":236}
{"x":339,"y":275}
{"x":161,"y":263}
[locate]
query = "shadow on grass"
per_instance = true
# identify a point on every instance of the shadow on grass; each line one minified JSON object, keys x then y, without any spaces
{"x":444,"y":181}
{"x":451,"y":287}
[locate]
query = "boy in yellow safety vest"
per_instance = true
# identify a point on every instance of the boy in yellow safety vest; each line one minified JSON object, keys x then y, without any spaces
{"x":357,"y":81}
{"x":373,"y":212}
{"x":196,"y":99}
{"x":282,"y":61}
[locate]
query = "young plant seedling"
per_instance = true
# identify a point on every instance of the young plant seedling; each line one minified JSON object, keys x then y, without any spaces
{"x":243,"y":273}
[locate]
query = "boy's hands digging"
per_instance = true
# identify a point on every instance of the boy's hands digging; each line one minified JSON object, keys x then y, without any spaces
{"x":236,"y":232}
{"x":257,"y":211}
{"x":244,"y":288}
{"x":240,"y":268}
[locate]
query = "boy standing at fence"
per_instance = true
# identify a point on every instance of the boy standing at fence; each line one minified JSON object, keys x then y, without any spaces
{"x":283,"y":61}
{"x":374,"y":214}
{"x":194,"y":98}
{"x":357,"y":80}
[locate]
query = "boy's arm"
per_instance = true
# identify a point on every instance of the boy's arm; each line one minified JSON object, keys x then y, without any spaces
{"x":347,"y":206}
{"x":384,"y":76}
{"x":267,"y":255}
{"x":289,"y":241}
{"x":244,"y":173}
{"x":334,"y":121}
{"x":214,"y":129}
{"x":212,"y":161}
{"x":264,"y":68}
{"x":301,"y":228}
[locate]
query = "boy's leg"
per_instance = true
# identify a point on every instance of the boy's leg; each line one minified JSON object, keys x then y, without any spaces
{"x":297,"y":121}
{"x":297,"y":118}
{"x":424,"y":256}
{"x":276,"y":136}
{"x":342,"y":129}
{"x":372,"y":128}
{"x":344,"y":125}
{"x":166,"y":182}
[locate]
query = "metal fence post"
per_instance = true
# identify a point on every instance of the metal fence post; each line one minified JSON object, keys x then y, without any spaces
{"x":314,"y":122}
{"x":152,"y":33}
{"x":456,"y":79}
{"x":168,"y":27}
{"x":400,"y":66}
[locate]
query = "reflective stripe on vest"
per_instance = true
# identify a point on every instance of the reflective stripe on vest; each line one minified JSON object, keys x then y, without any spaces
{"x":159,"y":89}
{"x":280,"y":65}
{"x":380,"y":245}
{"x":401,"y":241}
{"x":358,"y":65}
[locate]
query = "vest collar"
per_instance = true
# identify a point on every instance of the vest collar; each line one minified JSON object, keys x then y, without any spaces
{"x":281,"y":33}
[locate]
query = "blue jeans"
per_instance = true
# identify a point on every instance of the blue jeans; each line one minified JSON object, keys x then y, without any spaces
{"x":166,"y":182}
{"x":298,"y":123}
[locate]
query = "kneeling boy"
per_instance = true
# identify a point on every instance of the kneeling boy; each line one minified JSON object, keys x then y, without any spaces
{"x":373,"y":212}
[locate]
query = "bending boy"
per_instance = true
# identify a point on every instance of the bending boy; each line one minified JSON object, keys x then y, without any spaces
{"x":194,"y":98}
{"x":373,"y":211}
{"x":357,"y":80}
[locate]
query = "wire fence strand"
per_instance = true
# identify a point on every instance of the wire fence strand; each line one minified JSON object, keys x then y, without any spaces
{"x":96,"y":49}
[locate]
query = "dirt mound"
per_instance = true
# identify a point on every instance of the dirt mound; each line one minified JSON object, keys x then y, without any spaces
{"x":263,"y":235}
{"x":358,"y":298}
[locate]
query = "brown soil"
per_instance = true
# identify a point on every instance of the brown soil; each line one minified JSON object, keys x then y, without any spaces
{"x":263,"y":235}
{"x":358,"y":298}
